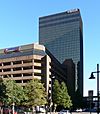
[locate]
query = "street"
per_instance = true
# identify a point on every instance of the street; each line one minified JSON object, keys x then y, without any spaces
{"x":76,"y":113}
{"x":71,"y":113}
{"x":84,"y":113}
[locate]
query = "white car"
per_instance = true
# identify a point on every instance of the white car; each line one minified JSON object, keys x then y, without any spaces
{"x":79,"y":110}
{"x":64,"y":112}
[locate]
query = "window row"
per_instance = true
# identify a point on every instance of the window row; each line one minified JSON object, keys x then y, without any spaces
{"x":19,"y":62}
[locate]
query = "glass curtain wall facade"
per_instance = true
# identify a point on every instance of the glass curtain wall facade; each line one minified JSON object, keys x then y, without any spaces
{"x":62,"y":34}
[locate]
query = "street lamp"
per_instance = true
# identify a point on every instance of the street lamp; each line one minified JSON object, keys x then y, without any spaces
{"x":92,"y":77}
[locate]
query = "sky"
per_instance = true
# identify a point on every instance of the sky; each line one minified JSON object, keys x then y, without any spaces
{"x":19,"y":25}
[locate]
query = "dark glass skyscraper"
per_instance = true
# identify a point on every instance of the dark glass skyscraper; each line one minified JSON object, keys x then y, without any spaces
{"x":62,"y":34}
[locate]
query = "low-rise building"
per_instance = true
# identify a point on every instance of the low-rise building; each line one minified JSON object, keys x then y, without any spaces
{"x":26,"y":62}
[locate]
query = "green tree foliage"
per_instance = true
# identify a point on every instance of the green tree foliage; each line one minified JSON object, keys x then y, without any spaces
{"x":56,"y":92}
{"x":14,"y":92}
{"x":2,"y":91}
{"x":35,"y":93}
{"x":60,"y":95}
{"x":65,"y":98}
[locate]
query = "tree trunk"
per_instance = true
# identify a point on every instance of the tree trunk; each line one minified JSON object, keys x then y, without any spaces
{"x":33,"y":110}
{"x":1,"y":110}
{"x":55,"y":105}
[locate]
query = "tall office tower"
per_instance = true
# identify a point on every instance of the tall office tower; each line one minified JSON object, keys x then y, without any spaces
{"x":62,"y":34}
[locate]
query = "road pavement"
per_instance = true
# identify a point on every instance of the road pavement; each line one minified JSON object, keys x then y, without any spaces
{"x":84,"y":113}
{"x":71,"y":113}
{"x":77,"y":113}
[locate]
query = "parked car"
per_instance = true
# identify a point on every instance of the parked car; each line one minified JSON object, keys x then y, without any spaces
{"x":40,"y":109}
{"x":64,"y":112}
{"x":79,"y":110}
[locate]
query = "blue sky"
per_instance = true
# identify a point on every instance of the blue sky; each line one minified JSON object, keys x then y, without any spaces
{"x":19,"y":25}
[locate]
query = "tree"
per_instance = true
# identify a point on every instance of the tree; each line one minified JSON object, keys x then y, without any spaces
{"x":60,"y":95}
{"x":35,"y":92}
{"x":2,"y":91}
{"x":56,"y":92}
{"x":19,"y":94}
{"x":14,"y":92}
{"x":65,"y":98}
